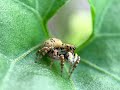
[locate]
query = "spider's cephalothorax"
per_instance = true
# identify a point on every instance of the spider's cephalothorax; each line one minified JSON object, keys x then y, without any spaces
{"x":55,"y":49}
{"x":68,"y":47}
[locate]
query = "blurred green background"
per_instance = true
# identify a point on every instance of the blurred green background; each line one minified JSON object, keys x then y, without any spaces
{"x":72,"y":23}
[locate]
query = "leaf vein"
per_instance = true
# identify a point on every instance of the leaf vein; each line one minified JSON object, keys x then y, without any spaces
{"x":100,"y":69}
{"x":103,"y":14}
{"x":37,"y":15}
{"x":37,"y":5}
{"x":6,"y":78}
{"x":48,"y":10}
{"x":30,"y":8}
{"x":108,"y":35}
{"x":26,"y":53}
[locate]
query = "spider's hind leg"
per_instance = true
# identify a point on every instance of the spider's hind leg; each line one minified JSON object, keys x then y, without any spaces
{"x":62,"y":63}
{"x":75,"y":65}
{"x":51,"y":64}
{"x":70,"y":67}
{"x":38,"y":56}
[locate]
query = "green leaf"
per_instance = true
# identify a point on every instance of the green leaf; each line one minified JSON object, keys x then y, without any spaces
{"x":46,"y":8}
{"x":99,"y":68}
{"x":22,"y":30}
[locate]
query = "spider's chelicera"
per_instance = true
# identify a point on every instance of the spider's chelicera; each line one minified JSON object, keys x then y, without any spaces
{"x":56,"y":50}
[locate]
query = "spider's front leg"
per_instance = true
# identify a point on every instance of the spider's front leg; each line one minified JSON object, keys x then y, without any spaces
{"x":62,"y":63}
{"x":52,"y":61}
{"x":75,"y":65}
{"x":42,"y":52}
{"x":70,"y":67}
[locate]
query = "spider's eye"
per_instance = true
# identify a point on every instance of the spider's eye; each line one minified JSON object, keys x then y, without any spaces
{"x":74,"y":48}
{"x":70,"y":48}
{"x":57,"y":48}
{"x":61,"y":48}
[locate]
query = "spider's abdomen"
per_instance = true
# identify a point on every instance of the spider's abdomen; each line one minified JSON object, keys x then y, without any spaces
{"x":53,"y":42}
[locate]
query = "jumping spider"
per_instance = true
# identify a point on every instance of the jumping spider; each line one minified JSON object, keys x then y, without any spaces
{"x":55,"y":49}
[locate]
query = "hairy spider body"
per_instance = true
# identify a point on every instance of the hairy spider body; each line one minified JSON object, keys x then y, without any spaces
{"x":53,"y":42}
{"x":55,"y":49}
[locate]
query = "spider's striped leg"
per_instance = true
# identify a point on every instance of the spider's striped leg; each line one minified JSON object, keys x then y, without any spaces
{"x":52,"y":61}
{"x":38,"y":56}
{"x":62,"y":63}
{"x":75,"y":65}
{"x":40,"y":53}
{"x":70,"y":67}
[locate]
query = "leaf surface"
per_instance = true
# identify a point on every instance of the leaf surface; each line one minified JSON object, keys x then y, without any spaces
{"x":99,"y":68}
{"x":22,"y":31}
